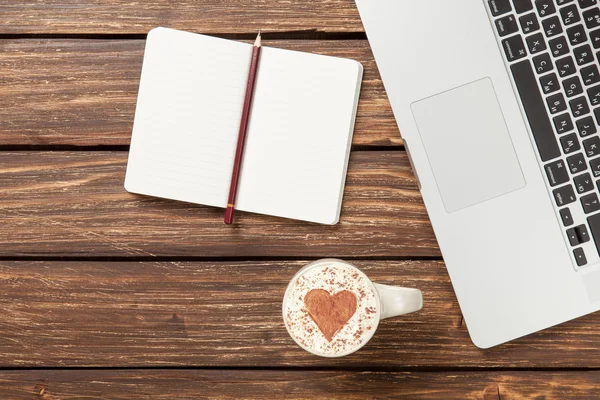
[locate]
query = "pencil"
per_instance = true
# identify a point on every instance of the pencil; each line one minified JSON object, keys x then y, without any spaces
{"x":239,"y":152}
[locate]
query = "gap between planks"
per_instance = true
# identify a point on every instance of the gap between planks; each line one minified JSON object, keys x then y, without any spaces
{"x":213,"y":259}
{"x":284,"y":368}
{"x":167,"y":384}
{"x":292,"y":35}
{"x":125,"y":148}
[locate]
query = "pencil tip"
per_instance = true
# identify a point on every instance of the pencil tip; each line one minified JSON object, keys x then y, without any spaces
{"x":258,"y":40}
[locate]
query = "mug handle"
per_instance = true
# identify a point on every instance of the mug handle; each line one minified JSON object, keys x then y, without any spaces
{"x":397,"y":301}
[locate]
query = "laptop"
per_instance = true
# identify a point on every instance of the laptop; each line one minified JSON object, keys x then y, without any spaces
{"x":498,"y":103}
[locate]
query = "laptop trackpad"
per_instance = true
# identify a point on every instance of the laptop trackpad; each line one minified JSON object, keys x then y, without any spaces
{"x":468,"y":145}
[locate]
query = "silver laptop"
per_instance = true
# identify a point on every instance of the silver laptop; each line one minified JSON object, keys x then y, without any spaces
{"x":498,"y":102}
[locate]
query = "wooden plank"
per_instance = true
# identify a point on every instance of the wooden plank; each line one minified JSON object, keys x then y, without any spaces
{"x":228,"y":314}
{"x":83,"y":92}
{"x":215,"y":16}
{"x":74,"y":204}
{"x":227,"y":384}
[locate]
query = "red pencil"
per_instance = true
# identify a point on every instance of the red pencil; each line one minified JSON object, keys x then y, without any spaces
{"x":239,"y":152}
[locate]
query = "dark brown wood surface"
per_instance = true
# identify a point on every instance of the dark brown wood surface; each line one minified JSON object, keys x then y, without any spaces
{"x":295,"y":385}
{"x":203,"y":16}
{"x":105,"y":294}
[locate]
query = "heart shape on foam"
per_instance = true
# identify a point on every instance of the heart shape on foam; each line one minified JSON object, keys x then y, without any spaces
{"x":330,"y":312}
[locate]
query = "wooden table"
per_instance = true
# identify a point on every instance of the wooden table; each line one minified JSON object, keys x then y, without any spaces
{"x":105,"y":294}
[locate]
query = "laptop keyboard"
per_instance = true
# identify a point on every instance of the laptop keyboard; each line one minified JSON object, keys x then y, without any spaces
{"x":552,"y":48}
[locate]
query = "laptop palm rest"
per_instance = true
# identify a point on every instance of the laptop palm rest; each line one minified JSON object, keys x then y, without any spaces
{"x":468,"y":145}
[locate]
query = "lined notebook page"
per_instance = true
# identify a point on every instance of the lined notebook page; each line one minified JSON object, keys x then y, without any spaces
{"x":187,"y":120}
{"x":299,"y":135}
{"x":187,"y":117}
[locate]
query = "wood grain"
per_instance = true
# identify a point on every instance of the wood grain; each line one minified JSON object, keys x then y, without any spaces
{"x":215,"y":16}
{"x":228,"y":314}
{"x":74,"y":204}
{"x":225,"y":384}
{"x":83,"y":92}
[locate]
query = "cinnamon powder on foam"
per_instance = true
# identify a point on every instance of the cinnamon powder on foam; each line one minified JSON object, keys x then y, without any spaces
{"x":333,"y":278}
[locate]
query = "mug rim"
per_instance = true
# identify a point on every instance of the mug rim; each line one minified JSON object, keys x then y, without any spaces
{"x":315,"y":264}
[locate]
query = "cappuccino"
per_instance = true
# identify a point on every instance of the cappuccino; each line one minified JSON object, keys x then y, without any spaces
{"x":331,"y":308}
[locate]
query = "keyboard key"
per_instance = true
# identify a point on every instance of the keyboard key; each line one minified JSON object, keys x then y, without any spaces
{"x":542,"y":63}
{"x":583,"y":54}
{"x":570,"y":143}
{"x":565,"y":66}
{"x":578,"y":235}
{"x":536,"y":43}
{"x":566,"y":217}
{"x":552,"y":26}
{"x":595,"y":38}
{"x":572,"y":235}
{"x":549,"y":83}
{"x":563,"y":123}
{"x":522,"y":6}
{"x":597,"y":115}
{"x":592,"y":18}
{"x":590,"y":203}
{"x":563,"y":2}
{"x":572,"y":86}
{"x":587,"y":3}
{"x":580,"y":257}
{"x":595,"y":166}
{"x":506,"y":25}
{"x":594,"y":223}
{"x":576,"y":35}
{"x":557,"y":173}
{"x":592,"y":146}
{"x":576,"y":163}
{"x":582,"y":234}
{"x":514,"y":48}
{"x":535,"y":109}
{"x":545,"y":7}
{"x":594,"y":95}
{"x":556,"y":103}
{"x":564,"y":195}
{"x":499,"y":7}
{"x":559,"y":46}
{"x":529,"y":23}
{"x":590,"y":75}
{"x":586,"y":126}
{"x":570,"y":14}
{"x":579,"y":107}
{"x":583,"y":183}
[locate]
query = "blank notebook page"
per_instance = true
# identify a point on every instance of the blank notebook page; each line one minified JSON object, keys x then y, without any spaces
{"x":187,"y":121}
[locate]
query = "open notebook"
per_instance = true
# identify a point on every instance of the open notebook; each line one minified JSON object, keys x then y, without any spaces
{"x":188,"y":114}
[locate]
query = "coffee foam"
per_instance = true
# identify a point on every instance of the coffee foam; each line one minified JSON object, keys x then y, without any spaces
{"x":334,"y":278}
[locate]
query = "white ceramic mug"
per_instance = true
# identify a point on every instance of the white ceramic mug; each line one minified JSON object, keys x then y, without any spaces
{"x":390,"y":301}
